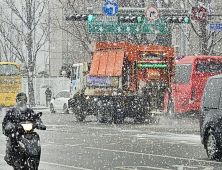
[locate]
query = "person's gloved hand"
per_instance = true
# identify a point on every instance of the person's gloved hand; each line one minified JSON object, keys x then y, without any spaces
{"x":19,"y":128}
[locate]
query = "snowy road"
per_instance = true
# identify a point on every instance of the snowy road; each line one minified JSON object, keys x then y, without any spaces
{"x":171,"y":144}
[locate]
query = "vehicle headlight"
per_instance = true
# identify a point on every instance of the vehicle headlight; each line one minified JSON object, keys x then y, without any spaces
{"x":27,"y":127}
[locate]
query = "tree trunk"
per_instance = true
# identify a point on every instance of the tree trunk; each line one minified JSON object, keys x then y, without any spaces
{"x":31,"y":91}
{"x":30,"y":57}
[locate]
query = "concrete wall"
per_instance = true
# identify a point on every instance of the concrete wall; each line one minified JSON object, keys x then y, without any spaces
{"x":56,"y":84}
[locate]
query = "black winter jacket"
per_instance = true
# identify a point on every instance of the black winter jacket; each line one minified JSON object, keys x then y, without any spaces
{"x":13,"y":118}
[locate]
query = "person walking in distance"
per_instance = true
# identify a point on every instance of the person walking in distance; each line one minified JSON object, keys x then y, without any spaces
{"x":48,"y":95}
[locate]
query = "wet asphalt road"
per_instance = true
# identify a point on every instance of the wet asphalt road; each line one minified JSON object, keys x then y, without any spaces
{"x":70,"y":145}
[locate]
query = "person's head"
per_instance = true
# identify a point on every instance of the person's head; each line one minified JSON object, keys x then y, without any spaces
{"x":21,"y":100}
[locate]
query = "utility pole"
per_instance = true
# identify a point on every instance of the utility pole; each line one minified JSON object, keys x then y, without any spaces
{"x":203,"y":43}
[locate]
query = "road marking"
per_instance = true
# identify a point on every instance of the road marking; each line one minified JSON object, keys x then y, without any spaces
{"x":46,"y":145}
{"x":112,"y":143}
{"x":61,"y":165}
{"x":60,"y":125}
{"x":149,"y":142}
{"x":193,"y":167}
{"x":183,"y":142}
{"x":177,"y":166}
{"x":147,"y":154}
{"x":54,"y":144}
{"x":66,"y":166}
{"x":135,"y":167}
{"x":75,"y":144}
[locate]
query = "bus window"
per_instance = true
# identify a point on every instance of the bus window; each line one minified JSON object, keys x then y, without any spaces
{"x":211,"y":67}
{"x":9,"y":70}
{"x":183,"y":73}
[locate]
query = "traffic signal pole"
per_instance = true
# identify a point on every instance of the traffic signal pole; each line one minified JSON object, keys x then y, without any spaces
{"x":136,"y":15}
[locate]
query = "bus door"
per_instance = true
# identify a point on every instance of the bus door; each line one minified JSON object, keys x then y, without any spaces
{"x":181,"y":94}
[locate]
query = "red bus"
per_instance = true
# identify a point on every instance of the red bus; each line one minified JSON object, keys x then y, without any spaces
{"x":192,"y":73}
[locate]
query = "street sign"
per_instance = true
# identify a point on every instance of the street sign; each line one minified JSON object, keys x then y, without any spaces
{"x":146,"y":27}
{"x":110,"y":8}
{"x":199,"y":14}
{"x":215,"y":27}
{"x":152,"y":13}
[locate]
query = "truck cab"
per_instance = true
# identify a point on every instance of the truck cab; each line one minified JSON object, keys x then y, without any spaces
{"x":78,"y":77}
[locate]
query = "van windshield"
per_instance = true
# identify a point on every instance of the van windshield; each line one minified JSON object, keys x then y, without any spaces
{"x":183,"y":73}
{"x":211,"y":93}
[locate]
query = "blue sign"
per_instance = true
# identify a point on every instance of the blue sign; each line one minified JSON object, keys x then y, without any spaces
{"x":110,"y":8}
{"x":215,"y":27}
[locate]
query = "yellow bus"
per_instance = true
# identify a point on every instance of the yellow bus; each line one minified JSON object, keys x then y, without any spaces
{"x":10,"y":83}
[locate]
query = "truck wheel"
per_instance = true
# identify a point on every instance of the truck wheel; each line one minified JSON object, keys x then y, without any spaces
{"x":100,"y":117}
{"x":212,"y":146}
{"x":139,"y":118}
{"x":118,"y":119}
{"x":104,"y":114}
{"x":79,"y":112}
{"x":104,"y":117}
{"x":80,"y":117}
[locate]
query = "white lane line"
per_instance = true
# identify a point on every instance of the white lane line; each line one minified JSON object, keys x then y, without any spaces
{"x":134,"y":167}
{"x":154,"y":155}
{"x":66,"y":166}
{"x":74,"y":145}
{"x":61,"y":165}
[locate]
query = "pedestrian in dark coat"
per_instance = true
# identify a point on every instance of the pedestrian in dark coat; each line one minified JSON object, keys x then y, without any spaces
{"x":48,"y":95}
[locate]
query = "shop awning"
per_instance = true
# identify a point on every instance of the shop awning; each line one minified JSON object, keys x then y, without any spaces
{"x":107,"y":64}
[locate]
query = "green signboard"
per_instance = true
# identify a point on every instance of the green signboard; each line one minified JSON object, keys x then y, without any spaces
{"x":114,"y":27}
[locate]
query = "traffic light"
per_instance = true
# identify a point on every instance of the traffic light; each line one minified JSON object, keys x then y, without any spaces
{"x":177,"y":19}
{"x":130,"y":19}
{"x":79,"y":17}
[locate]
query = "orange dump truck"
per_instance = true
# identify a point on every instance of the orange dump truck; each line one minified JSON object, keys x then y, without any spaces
{"x":125,"y":80}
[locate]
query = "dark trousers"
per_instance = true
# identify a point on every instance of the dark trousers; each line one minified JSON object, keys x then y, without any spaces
{"x":47,"y":101}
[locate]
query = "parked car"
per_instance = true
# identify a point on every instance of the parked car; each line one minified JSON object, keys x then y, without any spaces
{"x":59,"y":103}
{"x":211,"y":117}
